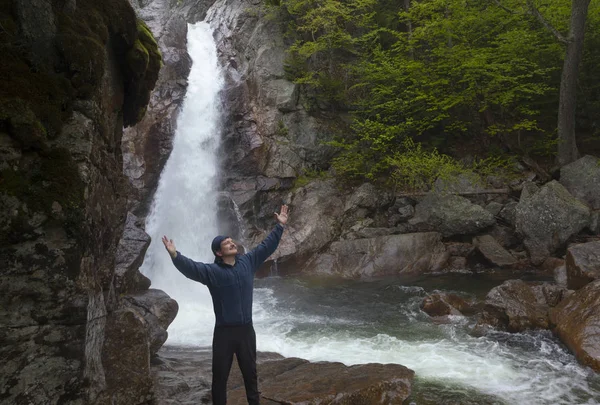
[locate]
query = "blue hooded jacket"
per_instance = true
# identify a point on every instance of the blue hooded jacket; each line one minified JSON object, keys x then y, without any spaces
{"x":231,"y":287}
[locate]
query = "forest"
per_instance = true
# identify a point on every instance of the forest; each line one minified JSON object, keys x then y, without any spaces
{"x":433,"y":88}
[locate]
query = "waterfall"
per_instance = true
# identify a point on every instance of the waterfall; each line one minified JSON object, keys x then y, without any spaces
{"x":240,"y":221}
{"x":185,"y":203}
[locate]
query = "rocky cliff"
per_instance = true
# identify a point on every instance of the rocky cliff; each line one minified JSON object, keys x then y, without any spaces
{"x":76,"y":327}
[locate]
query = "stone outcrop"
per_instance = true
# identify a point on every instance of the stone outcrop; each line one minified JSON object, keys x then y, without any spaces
{"x":582,"y":179}
{"x":385,"y":255}
{"x":516,"y":305}
{"x":576,"y":322}
{"x":493,"y":251}
{"x":452,"y":215}
{"x":284,"y":380}
{"x":547,"y":218}
{"x":442,"y":304}
{"x":583,"y":264}
{"x":158,"y":310}
{"x":62,"y":194}
{"x":147,"y":145}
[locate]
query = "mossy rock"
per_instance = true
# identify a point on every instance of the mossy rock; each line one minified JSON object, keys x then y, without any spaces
{"x":22,"y":124}
{"x":53,"y":176}
{"x":85,"y":59}
{"x":144,"y":61}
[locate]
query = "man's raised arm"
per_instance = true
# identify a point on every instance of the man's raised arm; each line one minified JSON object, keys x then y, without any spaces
{"x":193,"y":270}
{"x":268,"y":246}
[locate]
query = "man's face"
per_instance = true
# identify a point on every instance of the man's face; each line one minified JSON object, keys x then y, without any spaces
{"x":228,"y":248}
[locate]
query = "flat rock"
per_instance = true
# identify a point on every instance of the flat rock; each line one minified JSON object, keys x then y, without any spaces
{"x":493,"y":251}
{"x":183,"y":376}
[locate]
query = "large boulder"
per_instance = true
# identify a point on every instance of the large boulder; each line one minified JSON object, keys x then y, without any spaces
{"x":158,"y":311}
{"x":316,"y":209}
{"x":582,"y":179}
{"x":441,"y":304}
{"x":583,"y":264}
{"x":493,"y":251}
{"x":294,"y":381}
{"x":451,"y":215}
{"x":516,"y":305}
{"x":576,"y":322}
{"x":384,"y":255}
{"x":547,"y":219}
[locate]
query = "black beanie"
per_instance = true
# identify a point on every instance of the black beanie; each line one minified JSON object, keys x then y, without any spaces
{"x":216,"y":243}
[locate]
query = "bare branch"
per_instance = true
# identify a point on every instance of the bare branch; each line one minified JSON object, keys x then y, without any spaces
{"x":533,"y":10}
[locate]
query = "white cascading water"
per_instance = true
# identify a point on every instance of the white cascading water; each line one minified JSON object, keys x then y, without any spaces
{"x":184,"y":207}
{"x":184,"y":210}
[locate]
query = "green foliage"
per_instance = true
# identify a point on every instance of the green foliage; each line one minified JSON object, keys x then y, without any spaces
{"x":281,"y":129}
{"x":443,"y":72}
{"x":414,"y":168}
{"x":308,"y":176}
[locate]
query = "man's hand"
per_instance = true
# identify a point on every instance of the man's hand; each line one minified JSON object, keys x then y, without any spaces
{"x":282,"y":217}
{"x":170,"y":246}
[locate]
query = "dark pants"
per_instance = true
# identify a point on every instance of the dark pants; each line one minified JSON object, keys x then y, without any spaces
{"x":228,"y":340}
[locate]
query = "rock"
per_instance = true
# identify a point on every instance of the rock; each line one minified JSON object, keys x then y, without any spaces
{"x":158,"y":310}
{"x":452,"y":215}
{"x":560,"y":276}
{"x":130,"y":255}
{"x":459,"y":184}
{"x":64,"y":202}
{"x":515,"y":306}
{"x":365,"y":196}
{"x":463,"y":249}
{"x":457,"y":264}
{"x":583,"y":264}
{"x":505,"y":236}
{"x":147,"y":145}
{"x":384,"y":255}
{"x":126,"y":359}
{"x":444,"y":304}
{"x":582,"y":179}
{"x":494,"y":207}
{"x":529,"y":189}
{"x":317,"y":208}
{"x":576,"y":320}
{"x":183,"y":376}
{"x":594,"y":225}
{"x":273,"y":135}
{"x":493,"y":251}
{"x":406,"y":212}
{"x":295,"y":381}
{"x":508,"y":213}
{"x":367,"y":233}
{"x":548,"y":218}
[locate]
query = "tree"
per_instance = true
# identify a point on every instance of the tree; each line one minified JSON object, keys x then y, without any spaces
{"x":567,"y":142}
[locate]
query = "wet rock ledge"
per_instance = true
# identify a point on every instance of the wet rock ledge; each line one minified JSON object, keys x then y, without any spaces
{"x":182,"y":376}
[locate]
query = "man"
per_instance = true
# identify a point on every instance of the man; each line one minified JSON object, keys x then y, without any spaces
{"x":230,"y":280}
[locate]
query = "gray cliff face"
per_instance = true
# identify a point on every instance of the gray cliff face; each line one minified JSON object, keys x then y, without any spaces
{"x":268,"y":138}
{"x":63,"y":317}
{"x":147,"y":145}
